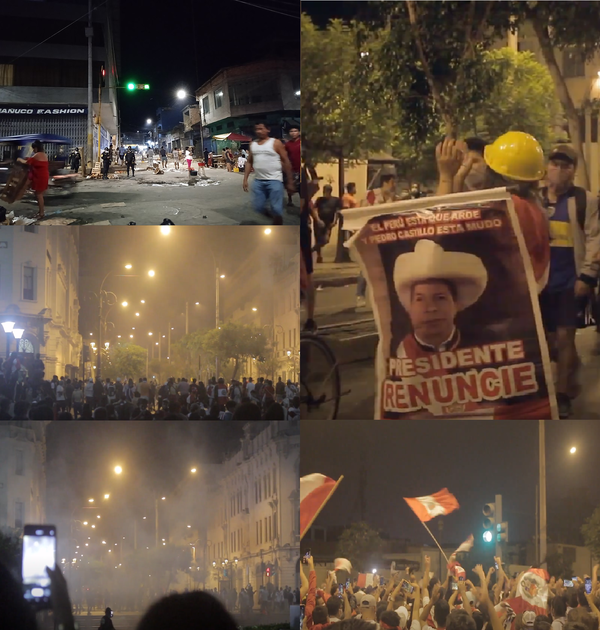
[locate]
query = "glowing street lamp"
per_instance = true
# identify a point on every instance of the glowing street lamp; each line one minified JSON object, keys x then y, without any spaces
{"x":268,"y":231}
{"x":90,"y":500}
{"x":124,"y":304}
{"x":151,"y":273}
{"x":127,"y":266}
{"x":573,"y":450}
{"x":181,"y":93}
{"x":165,"y":229}
{"x":118,"y":470}
{"x":193,"y":470}
{"x":149,"y":121}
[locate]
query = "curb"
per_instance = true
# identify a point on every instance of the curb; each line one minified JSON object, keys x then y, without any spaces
{"x":334,"y":281}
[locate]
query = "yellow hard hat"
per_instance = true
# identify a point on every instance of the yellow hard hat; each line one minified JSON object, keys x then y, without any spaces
{"x":516,"y":155}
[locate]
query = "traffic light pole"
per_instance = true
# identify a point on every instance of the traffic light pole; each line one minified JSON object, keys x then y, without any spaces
{"x":498,"y":521}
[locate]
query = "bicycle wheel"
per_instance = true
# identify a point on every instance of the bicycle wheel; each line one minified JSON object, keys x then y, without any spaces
{"x":319,"y":380}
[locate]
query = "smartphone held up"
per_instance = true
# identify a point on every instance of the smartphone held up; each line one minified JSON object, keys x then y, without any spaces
{"x":39,"y":552}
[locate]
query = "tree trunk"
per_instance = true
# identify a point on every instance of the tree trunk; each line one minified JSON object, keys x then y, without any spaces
{"x":341,"y":252}
{"x":562,"y":92}
{"x":235,"y":370}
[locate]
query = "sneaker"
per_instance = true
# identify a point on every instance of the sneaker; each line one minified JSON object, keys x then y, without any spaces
{"x":360,"y":301}
{"x":320,"y":288}
{"x":564,"y":406}
{"x":309,"y":326}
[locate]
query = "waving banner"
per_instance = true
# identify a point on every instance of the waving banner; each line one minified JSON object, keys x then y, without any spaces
{"x":456,"y":308}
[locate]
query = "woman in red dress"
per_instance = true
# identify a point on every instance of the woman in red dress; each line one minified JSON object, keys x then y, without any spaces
{"x":38,"y":174}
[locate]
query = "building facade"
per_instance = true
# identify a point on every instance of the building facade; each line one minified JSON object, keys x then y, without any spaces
{"x":583,"y":83}
{"x":254,"y":518}
{"x":22,"y":474}
{"x":43,"y":87}
{"x":39,"y":292}
{"x":269,"y":299}
{"x":235,"y":98}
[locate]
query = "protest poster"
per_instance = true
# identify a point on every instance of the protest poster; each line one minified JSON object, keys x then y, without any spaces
{"x":456,"y":308}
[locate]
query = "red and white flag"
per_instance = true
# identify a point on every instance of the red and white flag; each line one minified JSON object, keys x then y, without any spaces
{"x":341,"y":564}
{"x":315,"y":491}
{"x":438,"y":504}
{"x":532,"y":593}
{"x":466,"y":546}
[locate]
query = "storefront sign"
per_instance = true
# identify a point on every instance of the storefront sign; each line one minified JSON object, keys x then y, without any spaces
{"x":45,"y":110}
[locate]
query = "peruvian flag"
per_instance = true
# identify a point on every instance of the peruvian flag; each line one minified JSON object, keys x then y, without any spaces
{"x":315,"y":491}
{"x":438,"y":504}
{"x":341,"y":564}
{"x":532,"y":593}
{"x":466,"y":546}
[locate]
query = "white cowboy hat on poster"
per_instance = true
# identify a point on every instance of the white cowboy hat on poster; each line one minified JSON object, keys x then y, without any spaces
{"x":430,"y":261}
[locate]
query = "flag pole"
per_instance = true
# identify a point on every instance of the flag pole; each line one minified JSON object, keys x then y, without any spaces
{"x":436,"y":542}
{"x":312,"y":520}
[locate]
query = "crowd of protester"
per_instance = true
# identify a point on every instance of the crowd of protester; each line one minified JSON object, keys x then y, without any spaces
{"x":458,"y":603}
{"x":26,"y":395}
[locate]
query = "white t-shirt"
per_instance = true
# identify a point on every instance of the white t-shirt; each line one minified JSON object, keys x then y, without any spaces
{"x":176,"y":154}
{"x":60,"y":392}
{"x":188,"y":155}
{"x":241,"y":162}
{"x":249,"y":388}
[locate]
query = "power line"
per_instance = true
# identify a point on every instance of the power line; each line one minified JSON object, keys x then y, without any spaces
{"x":257,"y":6}
{"x":57,"y":32}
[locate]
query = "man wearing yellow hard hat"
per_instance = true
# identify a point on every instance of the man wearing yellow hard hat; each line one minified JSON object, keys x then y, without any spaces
{"x":514,"y":160}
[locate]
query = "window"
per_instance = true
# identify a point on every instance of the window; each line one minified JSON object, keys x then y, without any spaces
{"x":274,"y":484}
{"x":218,"y":98}
{"x":290,"y":338}
{"x":18,"y":514}
{"x":219,"y":127}
{"x":28,"y":283}
{"x":274,"y":527}
{"x":260,"y":532}
{"x":573,"y":64}
{"x":19,"y":466}
{"x":230,"y":125}
{"x":270,"y":529}
{"x":259,"y":492}
{"x":205,"y":105}
{"x":593,"y":130}
{"x":269,"y":483}
{"x":266,"y":530}
{"x":257,"y":532}
{"x":254,"y":90}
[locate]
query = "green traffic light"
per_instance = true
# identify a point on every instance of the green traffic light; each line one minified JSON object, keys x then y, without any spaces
{"x":146,"y":87}
{"x":131,"y":86}
{"x":487,"y":537}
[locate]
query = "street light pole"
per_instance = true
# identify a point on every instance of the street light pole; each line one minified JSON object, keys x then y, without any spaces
{"x":217,"y":316}
{"x":543,"y":531}
{"x":156,"y":522}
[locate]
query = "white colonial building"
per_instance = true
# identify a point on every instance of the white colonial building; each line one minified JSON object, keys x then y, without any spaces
{"x":39,"y":279}
{"x":22,"y":474}
{"x":253,"y":520}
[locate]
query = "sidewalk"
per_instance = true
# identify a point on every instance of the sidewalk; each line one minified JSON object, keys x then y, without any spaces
{"x":332,"y":274}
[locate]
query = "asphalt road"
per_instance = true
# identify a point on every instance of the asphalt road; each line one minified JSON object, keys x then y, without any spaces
{"x":352,"y":336}
{"x":147,"y":199}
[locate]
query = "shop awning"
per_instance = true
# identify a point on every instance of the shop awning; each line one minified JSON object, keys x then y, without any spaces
{"x":234,"y":137}
{"x":46,"y":138}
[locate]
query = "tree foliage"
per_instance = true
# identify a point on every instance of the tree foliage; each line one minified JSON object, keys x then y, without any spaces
{"x":591,"y":533}
{"x":341,"y":117}
{"x":361,"y":544}
{"x":232,"y":344}
{"x":126,"y":360}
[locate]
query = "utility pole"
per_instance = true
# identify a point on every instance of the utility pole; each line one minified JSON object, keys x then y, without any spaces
{"x":156,"y":522}
{"x":89,"y":157}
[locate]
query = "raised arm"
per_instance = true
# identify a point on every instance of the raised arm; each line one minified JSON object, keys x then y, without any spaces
{"x":462,"y":589}
{"x":485,"y":599}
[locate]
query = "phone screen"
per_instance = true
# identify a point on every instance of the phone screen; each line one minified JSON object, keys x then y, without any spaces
{"x":301,"y":616}
{"x":454,"y":586}
{"x":407,"y":587}
{"x":567,"y":583}
{"x":588,"y":585}
{"x":341,"y":589}
{"x":347,"y":584}
{"x":461,"y":578}
{"x":39,"y":552}
{"x":496,"y":565}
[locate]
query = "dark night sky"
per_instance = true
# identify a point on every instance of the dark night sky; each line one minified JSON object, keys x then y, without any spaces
{"x":184,"y":272}
{"x":322,"y":12}
{"x":158,"y":46}
{"x":81,"y":458}
{"x":475,"y":460}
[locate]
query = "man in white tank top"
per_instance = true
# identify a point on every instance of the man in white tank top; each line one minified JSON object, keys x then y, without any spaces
{"x":269,"y":159}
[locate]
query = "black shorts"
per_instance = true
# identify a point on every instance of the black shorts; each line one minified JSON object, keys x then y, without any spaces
{"x":306,"y":246}
{"x":559,"y":310}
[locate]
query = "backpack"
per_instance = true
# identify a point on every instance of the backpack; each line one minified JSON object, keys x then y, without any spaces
{"x":111,"y":391}
{"x":580,"y":195}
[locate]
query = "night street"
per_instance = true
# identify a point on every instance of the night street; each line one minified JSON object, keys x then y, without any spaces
{"x":147,"y":199}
